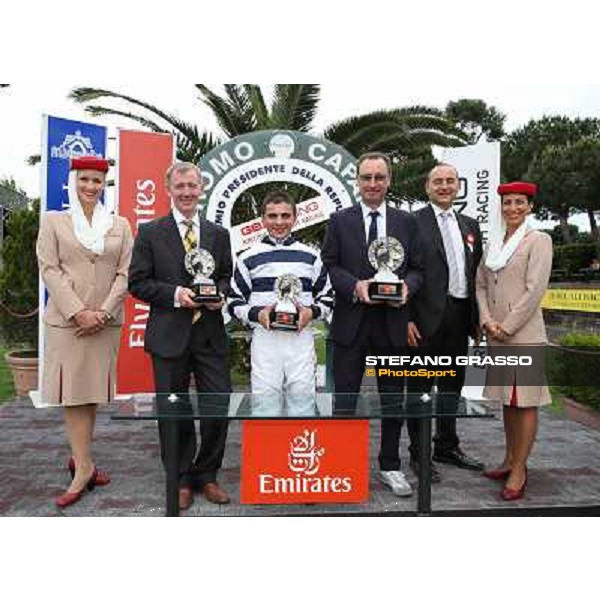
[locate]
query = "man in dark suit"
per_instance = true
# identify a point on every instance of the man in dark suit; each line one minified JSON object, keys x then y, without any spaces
{"x":182,"y":336}
{"x":444,"y":311}
{"x":361,"y":326}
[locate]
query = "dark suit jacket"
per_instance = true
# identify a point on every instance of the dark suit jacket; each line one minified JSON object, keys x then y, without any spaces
{"x":345,"y":254}
{"x":157,"y":268}
{"x":428,"y":305}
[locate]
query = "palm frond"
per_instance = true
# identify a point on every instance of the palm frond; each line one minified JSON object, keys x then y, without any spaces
{"x":295,"y":106}
{"x":398,"y":132}
{"x":242,"y":106}
{"x":190,"y":143}
{"x":261,"y":113}
{"x":83,"y":94}
{"x":98,"y":111}
{"x":227,"y":116}
{"x":189,"y":150}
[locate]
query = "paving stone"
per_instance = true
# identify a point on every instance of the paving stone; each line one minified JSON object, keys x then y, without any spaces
{"x":564,"y":470}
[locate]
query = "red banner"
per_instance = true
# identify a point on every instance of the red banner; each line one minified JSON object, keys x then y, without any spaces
{"x":289,"y":462}
{"x":142,"y":161}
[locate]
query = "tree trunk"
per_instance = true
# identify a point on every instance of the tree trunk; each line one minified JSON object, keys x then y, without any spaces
{"x":593,"y":224}
{"x":565,"y":229}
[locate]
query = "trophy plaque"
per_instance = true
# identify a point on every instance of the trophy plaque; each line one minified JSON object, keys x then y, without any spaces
{"x":386,"y":254}
{"x":284,"y":315}
{"x":200,"y":264}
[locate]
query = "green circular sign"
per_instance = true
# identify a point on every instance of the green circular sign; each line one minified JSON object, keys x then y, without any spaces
{"x":272,"y":156}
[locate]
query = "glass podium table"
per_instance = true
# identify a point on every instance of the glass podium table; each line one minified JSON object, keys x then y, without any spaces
{"x":171,"y":409}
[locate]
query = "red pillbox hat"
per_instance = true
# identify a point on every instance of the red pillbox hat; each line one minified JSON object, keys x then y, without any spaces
{"x":89,"y":163}
{"x":518,"y":187}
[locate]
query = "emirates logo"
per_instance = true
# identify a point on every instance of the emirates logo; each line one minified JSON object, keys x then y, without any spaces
{"x":286,"y":462}
{"x":305,"y":455}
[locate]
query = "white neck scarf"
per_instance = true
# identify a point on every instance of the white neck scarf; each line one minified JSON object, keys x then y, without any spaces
{"x":90,"y":235}
{"x":500,"y":253}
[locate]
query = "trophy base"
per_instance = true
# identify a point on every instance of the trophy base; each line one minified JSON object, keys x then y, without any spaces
{"x":284,"y":321}
{"x":206,"y":292}
{"x":382,"y":291}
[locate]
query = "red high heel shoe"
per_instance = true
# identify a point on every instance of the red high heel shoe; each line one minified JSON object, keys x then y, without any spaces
{"x":510,"y":494}
{"x":102,"y":477}
{"x":497,"y":474}
{"x":69,"y":498}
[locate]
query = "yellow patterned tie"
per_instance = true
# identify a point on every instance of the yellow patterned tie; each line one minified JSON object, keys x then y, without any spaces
{"x":190,"y":241}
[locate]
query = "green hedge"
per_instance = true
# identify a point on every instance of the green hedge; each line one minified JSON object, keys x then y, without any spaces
{"x":569,"y":369}
{"x":573,"y":257}
{"x":19,"y":278}
{"x":7,"y":388}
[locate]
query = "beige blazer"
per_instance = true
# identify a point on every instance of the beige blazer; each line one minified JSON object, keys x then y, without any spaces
{"x":77,"y":278}
{"x":512,"y":295}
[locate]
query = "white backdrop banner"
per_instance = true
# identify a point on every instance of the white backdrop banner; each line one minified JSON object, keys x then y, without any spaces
{"x":479,"y":173}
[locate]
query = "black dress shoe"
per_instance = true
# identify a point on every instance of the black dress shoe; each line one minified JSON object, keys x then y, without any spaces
{"x":435,"y":474}
{"x":459,"y":459}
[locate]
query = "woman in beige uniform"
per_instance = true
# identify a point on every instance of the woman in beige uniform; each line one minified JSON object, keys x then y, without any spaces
{"x":83,"y":255}
{"x":511,"y":281}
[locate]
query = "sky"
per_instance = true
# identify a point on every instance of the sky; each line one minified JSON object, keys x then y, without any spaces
{"x":22,"y":107}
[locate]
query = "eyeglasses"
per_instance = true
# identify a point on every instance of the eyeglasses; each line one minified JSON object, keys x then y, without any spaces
{"x":376,"y":178}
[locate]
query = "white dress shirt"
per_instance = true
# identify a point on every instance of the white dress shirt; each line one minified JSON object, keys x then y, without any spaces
{"x":381,"y":219}
{"x":457,"y":289}
{"x":182,"y":227}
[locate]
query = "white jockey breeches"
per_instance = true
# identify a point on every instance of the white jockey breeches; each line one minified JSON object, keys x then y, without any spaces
{"x":283,"y":372}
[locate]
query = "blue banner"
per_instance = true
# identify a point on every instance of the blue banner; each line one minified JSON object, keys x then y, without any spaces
{"x":64,"y":139}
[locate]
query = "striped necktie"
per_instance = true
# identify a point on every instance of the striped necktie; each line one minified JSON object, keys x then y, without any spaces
{"x":453,"y":274}
{"x":190,"y":242}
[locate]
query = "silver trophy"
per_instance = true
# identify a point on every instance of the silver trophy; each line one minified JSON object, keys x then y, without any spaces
{"x":285,"y":315}
{"x":200,"y":264}
{"x":386,"y":254}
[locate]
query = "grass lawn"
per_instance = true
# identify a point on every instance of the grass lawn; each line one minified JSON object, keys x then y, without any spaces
{"x":320,"y":342}
{"x":7,"y":390}
{"x":557,"y":406}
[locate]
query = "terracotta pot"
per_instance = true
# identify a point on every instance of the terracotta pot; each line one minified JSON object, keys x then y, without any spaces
{"x":24,"y":367}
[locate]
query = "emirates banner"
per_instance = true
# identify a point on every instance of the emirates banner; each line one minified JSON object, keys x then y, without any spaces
{"x":142,"y":161}
{"x":62,"y":139}
{"x":295,"y":462}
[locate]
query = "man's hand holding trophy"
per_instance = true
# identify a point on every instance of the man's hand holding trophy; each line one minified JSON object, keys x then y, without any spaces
{"x":386,"y":255}
{"x":287,"y":314}
{"x":201,"y":265}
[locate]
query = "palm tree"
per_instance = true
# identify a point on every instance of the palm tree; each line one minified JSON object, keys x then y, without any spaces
{"x":406,"y":134}
{"x":191,"y":145}
{"x":241,"y":110}
{"x":403,"y":133}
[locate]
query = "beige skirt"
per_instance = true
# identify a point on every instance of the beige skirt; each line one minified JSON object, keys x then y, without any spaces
{"x":519,"y":387}
{"x":79,"y":370}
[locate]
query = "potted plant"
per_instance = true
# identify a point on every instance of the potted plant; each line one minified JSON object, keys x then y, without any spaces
{"x":19,"y":296}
